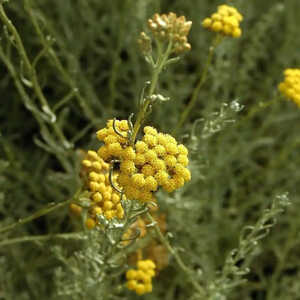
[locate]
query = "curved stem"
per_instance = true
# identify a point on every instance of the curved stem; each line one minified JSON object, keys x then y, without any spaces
{"x":161,"y":62}
{"x":178,"y":259}
{"x":24,"y":239}
{"x":200,"y":83}
{"x":39,"y":213}
{"x":32,"y":74}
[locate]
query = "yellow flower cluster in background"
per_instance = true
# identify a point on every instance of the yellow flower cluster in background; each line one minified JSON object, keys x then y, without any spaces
{"x":104,"y":199}
{"x":140,"y":280}
{"x":290,"y":87}
{"x":225,"y":21}
{"x":157,"y":160}
{"x":169,"y":27}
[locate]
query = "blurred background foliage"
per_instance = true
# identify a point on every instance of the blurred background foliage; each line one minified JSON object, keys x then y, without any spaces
{"x":91,"y":60}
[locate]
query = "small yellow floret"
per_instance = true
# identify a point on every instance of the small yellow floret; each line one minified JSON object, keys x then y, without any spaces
{"x":115,"y":149}
{"x":206,"y":23}
{"x":170,"y":160}
{"x":128,"y":153}
{"x":150,"y":130}
{"x":140,"y":159}
{"x":75,"y":209}
{"x":150,"y":140}
{"x":150,"y":155}
{"x":161,"y":177}
{"x":141,"y":147}
{"x":150,"y":184}
{"x":90,"y":223}
{"x":127,"y":167}
{"x":97,"y":197}
{"x":138,"y":180}
{"x":148,"y":170}
{"x":216,"y":26}
{"x":101,"y":134}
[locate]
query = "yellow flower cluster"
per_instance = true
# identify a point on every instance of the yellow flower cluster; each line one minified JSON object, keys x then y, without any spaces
{"x":290,"y":87}
{"x":156,"y":160}
{"x":140,"y":280}
{"x":104,"y":199}
{"x":225,"y":21}
{"x":171,"y":28}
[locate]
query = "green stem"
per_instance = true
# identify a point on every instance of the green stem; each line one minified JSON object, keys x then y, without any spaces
{"x":178,"y":259}
{"x":161,"y":61}
{"x":32,"y":73}
{"x":200,"y":83}
{"x":38,"y":238}
{"x":67,"y":78}
{"x":32,"y":107}
{"x":39,"y":213}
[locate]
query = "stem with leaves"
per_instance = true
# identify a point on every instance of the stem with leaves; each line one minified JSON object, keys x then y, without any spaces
{"x":44,"y":211}
{"x":157,"y":67}
{"x":31,"y":72}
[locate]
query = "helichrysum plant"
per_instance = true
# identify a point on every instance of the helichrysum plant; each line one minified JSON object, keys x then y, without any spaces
{"x":145,"y":200}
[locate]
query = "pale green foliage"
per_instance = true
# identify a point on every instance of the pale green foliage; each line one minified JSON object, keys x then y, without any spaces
{"x":89,"y":69}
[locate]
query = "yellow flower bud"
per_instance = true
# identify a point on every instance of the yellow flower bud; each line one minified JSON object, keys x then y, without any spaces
{"x":90,"y":223}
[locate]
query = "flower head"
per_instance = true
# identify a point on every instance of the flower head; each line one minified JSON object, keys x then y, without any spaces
{"x":290,"y":87}
{"x":169,"y":27}
{"x":153,"y":162}
{"x":140,"y":280}
{"x":104,"y":200}
{"x":225,"y":21}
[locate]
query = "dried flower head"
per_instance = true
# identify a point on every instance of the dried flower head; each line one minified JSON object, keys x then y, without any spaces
{"x":169,"y":27}
{"x":144,"y":42}
{"x":290,"y":87}
{"x":225,"y":21}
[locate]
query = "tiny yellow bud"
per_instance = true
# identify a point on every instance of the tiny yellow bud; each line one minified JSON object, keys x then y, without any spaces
{"x":150,"y":140}
{"x":140,"y":159}
{"x":127,"y":167}
{"x":150,"y":130}
{"x":138,"y":180}
{"x":75,"y":209}
{"x":150,"y":155}
{"x":97,"y":210}
{"x":161,"y":177}
{"x":108,"y":205}
{"x":128,"y":153}
{"x":237,"y":32}
{"x":141,"y":147}
{"x":86,"y":163}
{"x":170,"y":160}
{"x":148,"y":170}
{"x":216,"y":26}
{"x":90,"y":223}
{"x":97,"y":197}
{"x":150,"y":184}
{"x":115,"y":198}
{"x":101,"y":134}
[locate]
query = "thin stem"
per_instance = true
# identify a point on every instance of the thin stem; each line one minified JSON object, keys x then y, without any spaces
{"x":39,"y":238}
{"x":200,"y":83}
{"x":32,"y":74}
{"x":32,"y":107}
{"x":178,"y":259}
{"x":39,"y":213}
{"x":161,"y":61}
{"x":51,"y":53}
